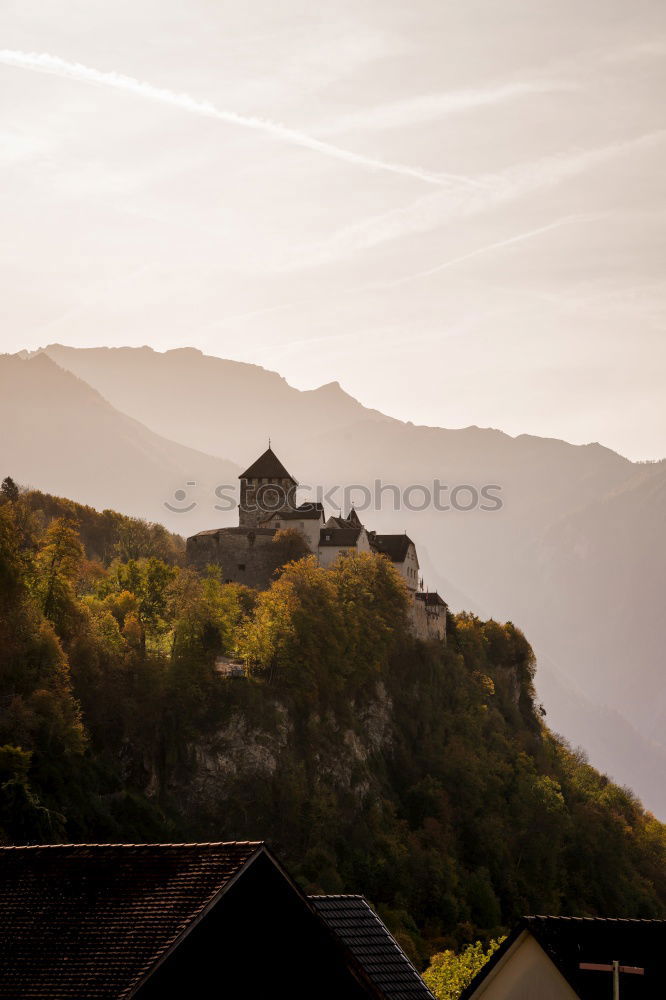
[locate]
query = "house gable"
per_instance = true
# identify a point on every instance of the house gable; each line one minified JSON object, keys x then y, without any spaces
{"x":524,"y":970}
{"x":559,"y":945}
{"x":261,"y":938}
{"x":114,"y":922}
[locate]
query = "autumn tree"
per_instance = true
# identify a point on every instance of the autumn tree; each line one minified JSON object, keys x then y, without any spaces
{"x":373,"y":602}
{"x":297,"y":630}
{"x":40,"y":717}
{"x":449,"y":973}
{"x":149,"y":581}
{"x":56,"y":570}
{"x":289,"y":545}
{"x":205,"y":613}
{"x":9,"y":491}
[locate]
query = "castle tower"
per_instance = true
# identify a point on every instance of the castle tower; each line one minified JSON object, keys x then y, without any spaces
{"x":266,"y":488}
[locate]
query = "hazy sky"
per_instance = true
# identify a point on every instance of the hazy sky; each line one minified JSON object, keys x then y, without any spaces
{"x":456,"y":209}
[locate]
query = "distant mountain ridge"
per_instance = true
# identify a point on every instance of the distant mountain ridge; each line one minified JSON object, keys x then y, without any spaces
{"x":65,"y":438}
{"x":180,"y":392}
{"x":580,"y":537}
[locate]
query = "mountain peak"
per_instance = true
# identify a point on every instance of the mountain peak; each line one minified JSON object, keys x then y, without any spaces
{"x":330,"y":389}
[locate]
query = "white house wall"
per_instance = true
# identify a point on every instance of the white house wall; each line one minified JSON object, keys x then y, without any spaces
{"x":329,"y":553}
{"x":525,"y":973}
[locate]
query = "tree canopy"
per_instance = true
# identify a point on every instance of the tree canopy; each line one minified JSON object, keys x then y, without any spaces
{"x":420,"y":774}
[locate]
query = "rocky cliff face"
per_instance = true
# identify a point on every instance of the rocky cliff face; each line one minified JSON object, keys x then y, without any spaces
{"x":335,"y":755}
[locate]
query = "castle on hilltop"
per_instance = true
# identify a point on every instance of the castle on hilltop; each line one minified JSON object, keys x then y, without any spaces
{"x":268,"y":506}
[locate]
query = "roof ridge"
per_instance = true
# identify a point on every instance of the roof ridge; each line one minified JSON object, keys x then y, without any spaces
{"x":206,"y":843}
{"x":336,"y":895}
{"x":611,"y":920}
{"x":266,"y":466}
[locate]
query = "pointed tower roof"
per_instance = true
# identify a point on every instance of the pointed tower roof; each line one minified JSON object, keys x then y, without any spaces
{"x":267,"y":466}
{"x":353,"y":518}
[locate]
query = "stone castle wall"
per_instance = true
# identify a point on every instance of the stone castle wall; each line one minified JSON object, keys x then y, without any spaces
{"x":428,"y":621}
{"x":259,"y":498}
{"x":247,"y":556}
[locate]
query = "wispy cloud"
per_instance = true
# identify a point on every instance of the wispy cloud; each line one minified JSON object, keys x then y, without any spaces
{"x":428,"y":107}
{"x":492,"y":190}
{"x":561,"y":76}
{"x":46,"y":63}
{"x":372,"y":286}
{"x":490,"y":247}
{"x":651,"y":48}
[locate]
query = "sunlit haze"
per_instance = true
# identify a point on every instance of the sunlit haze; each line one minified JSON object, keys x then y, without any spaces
{"x":454,"y":209}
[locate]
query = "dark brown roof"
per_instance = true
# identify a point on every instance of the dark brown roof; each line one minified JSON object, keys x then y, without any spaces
{"x":86,"y":922}
{"x":568,"y":941}
{"x":394,"y":546}
{"x":371,"y":943}
{"x":339,"y":536}
{"x":233,"y":531}
{"x":306,"y":512}
{"x":267,"y":466}
{"x":338,"y":522}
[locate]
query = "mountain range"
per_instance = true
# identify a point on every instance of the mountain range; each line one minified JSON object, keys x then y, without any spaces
{"x":574,"y":554}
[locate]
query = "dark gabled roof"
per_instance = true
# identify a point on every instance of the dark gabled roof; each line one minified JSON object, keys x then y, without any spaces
{"x":568,"y":941}
{"x":212,"y":532}
{"x":338,"y":537}
{"x":431,"y":599}
{"x":338,"y":522}
{"x":353,"y":518}
{"x":90,"y":921}
{"x":267,"y":466}
{"x":306,"y":512}
{"x":394,"y":546}
{"x":371,"y":943}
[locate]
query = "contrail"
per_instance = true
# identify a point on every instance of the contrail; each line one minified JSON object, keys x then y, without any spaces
{"x":530,"y":234}
{"x":45,"y":63}
{"x":439,"y":208}
{"x":429,"y":107}
{"x":372,"y":286}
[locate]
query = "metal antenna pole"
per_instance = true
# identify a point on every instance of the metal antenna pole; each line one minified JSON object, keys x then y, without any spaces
{"x":616,"y":969}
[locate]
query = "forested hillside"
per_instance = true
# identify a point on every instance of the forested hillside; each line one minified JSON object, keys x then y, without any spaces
{"x":580,"y":535}
{"x":420,"y":775}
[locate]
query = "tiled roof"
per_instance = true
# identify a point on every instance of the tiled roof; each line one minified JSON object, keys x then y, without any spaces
{"x":394,"y":546}
{"x":568,"y":941}
{"x":267,"y":466}
{"x":88,"y":922}
{"x":371,"y":943}
{"x":338,"y":536}
{"x":338,"y":522}
{"x":306,"y":512}
{"x":213,"y":532}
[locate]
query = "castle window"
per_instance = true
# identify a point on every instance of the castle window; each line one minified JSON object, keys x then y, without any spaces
{"x":241,"y":566}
